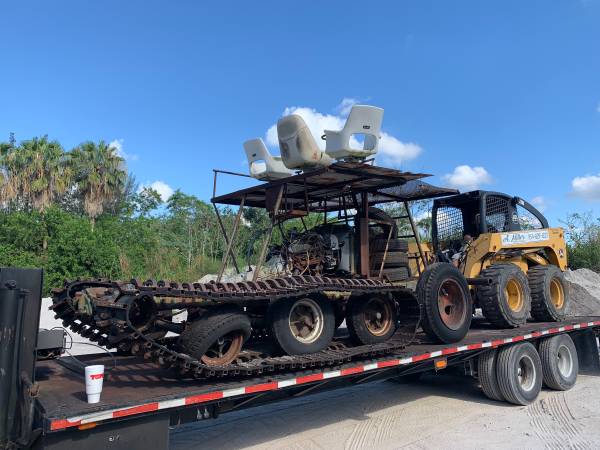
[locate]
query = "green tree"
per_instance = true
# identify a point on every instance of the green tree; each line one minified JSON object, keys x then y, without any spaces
{"x":100,"y":176}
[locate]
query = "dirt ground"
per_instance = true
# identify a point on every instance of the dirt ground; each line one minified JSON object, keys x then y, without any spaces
{"x":439,"y":412}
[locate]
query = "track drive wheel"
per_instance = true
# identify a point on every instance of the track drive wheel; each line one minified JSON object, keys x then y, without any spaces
{"x":302,"y":325}
{"x":549,"y":293}
{"x":217,"y":337}
{"x":443,"y":291}
{"x":371,"y":320}
{"x":505,"y":302}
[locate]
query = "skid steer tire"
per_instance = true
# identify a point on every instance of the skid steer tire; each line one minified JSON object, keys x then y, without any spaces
{"x":290,"y":316}
{"x":505,"y":302}
{"x":519,"y":372}
{"x":392,"y":260}
{"x":549,"y":293}
{"x":486,"y":369}
{"x":200,"y":335}
{"x":560,"y":365}
{"x":371,"y":320}
{"x":395,"y":274}
{"x":395,"y":245}
{"x":443,"y":292}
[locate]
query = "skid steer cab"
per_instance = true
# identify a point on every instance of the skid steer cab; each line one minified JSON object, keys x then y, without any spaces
{"x":512,"y":260}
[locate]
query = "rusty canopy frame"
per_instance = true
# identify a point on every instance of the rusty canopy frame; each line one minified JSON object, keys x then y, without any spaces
{"x":339,"y":187}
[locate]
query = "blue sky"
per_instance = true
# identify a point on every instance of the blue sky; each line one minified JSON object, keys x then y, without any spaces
{"x":510,"y":89}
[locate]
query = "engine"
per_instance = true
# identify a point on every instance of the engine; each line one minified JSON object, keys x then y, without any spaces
{"x":326,"y":249}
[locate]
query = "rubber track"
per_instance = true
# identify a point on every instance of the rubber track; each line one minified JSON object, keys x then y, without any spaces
{"x":175,"y":295}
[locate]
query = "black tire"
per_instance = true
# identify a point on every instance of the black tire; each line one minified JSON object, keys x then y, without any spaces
{"x":519,"y":372}
{"x":560,"y":365}
{"x":358,"y":317}
{"x":549,"y":293}
{"x":395,"y":245}
{"x":279,"y":317}
{"x":381,"y":216}
{"x":395,"y":274}
{"x":499,"y":308}
{"x":201,"y":334}
{"x":451,"y":325}
{"x":392,"y":260}
{"x":486,"y":369}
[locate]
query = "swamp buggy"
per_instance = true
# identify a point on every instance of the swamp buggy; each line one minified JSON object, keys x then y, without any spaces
{"x":488,"y":250}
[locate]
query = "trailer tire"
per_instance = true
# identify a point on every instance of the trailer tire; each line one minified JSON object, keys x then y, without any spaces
{"x":371,"y":320}
{"x":505,"y":302}
{"x":200,"y":335}
{"x":287,"y":315}
{"x":395,"y":245}
{"x":486,"y":369}
{"x":560,"y":365}
{"x":392,"y":260}
{"x":443,"y":292}
{"x":549,"y":293}
{"x":519,"y":372}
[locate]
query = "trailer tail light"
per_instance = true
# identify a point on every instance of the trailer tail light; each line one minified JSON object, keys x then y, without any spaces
{"x":87,"y":426}
{"x":440,"y":363}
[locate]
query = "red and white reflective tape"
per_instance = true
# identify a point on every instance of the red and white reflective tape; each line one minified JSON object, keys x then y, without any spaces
{"x":102,"y":416}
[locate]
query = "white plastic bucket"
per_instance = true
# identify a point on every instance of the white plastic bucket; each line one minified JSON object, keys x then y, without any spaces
{"x":94,"y":376}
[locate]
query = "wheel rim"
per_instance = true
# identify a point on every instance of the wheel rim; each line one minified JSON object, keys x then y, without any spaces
{"x":565,"y":361}
{"x":378,"y":316}
{"x":224,"y":350}
{"x":526,"y":373}
{"x":514,"y":295}
{"x":452,"y":304}
{"x":557,"y":293}
{"x":306,"y":321}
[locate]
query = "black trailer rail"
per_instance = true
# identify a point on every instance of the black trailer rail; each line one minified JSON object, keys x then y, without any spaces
{"x":136,"y":389}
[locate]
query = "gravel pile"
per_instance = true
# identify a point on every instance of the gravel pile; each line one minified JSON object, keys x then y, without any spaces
{"x":584,"y":287}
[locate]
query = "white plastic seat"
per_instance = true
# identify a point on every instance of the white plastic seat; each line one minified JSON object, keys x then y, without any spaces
{"x":263,"y":165}
{"x":363,"y":120}
{"x":297,"y":145}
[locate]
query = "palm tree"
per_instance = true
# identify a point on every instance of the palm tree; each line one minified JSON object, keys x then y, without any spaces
{"x":100,"y":176}
{"x":35,"y":173}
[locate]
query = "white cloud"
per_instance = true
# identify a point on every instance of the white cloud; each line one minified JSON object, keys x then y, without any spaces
{"x":468,"y":178}
{"x":164,"y":190}
{"x":539,"y":202}
{"x":587,"y":187}
{"x":117,"y":144}
{"x":392,"y":151}
{"x":346,"y":105}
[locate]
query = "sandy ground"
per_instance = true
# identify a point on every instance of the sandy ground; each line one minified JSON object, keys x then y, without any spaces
{"x":439,"y":412}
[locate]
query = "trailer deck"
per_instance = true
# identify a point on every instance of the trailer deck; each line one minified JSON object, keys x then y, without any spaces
{"x":137,"y":389}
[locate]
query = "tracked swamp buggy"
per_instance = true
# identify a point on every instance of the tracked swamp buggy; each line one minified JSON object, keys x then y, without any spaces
{"x":282,"y":313}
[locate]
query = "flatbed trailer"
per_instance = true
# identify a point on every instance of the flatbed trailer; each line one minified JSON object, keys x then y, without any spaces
{"x":141,"y":402}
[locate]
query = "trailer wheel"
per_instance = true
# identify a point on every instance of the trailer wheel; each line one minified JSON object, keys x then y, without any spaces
{"x":443,"y":291}
{"x":486,"y":369}
{"x":519,"y":372}
{"x":505,"y":302}
{"x":302,"y":325}
{"x":560,"y":365}
{"x":371,"y":320}
{"x":549,"y":293}
{"x":216,"y":338}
